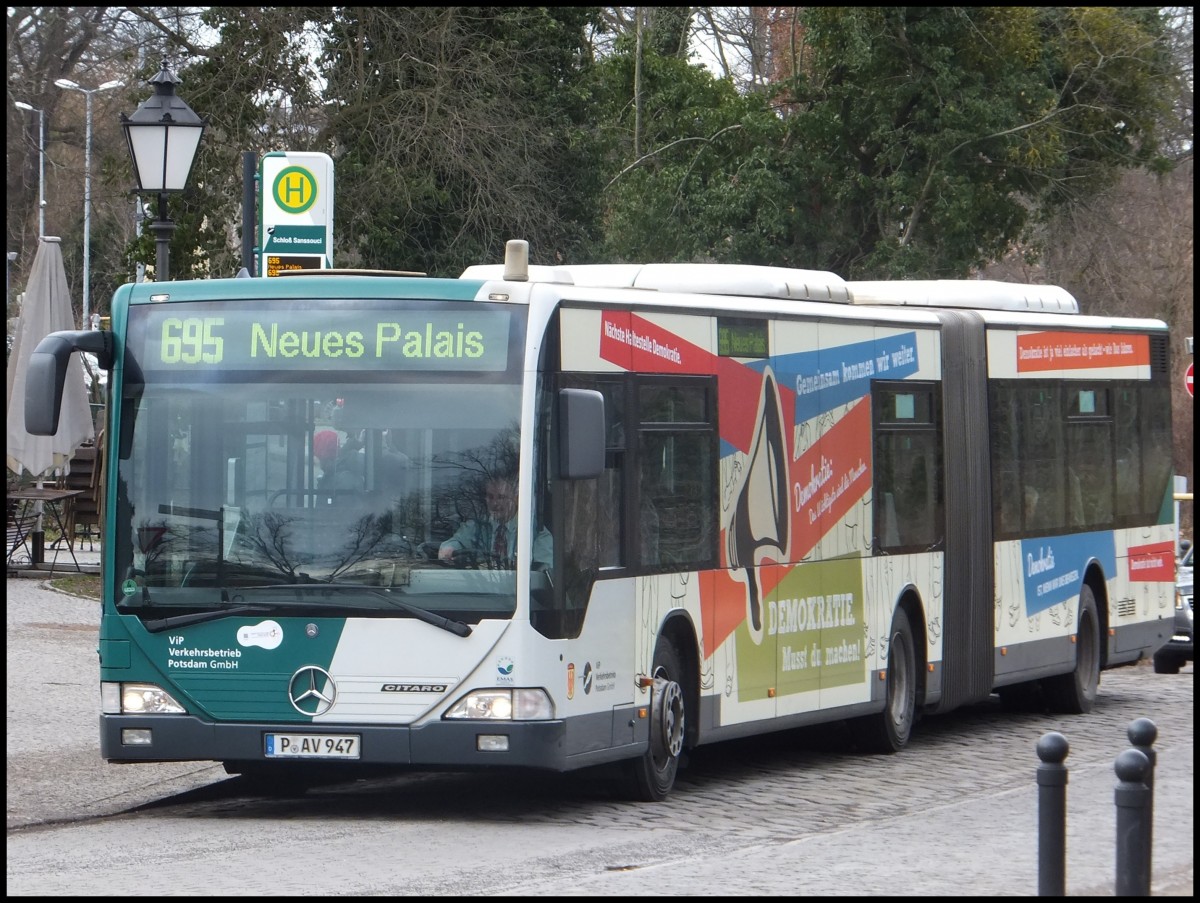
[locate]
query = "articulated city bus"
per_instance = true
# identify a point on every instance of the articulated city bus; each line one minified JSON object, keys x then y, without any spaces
{"x":747,"y":499}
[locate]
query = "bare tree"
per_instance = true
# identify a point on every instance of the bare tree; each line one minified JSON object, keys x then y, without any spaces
{"x":89,"y":45}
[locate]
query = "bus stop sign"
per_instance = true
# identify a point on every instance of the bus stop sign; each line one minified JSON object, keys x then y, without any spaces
{"x":296,"y":200}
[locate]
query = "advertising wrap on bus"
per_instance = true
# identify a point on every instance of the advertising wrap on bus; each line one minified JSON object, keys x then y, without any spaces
{"x":556,"y":517}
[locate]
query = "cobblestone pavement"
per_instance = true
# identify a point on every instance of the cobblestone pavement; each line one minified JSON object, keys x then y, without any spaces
{"x":794,"y":813}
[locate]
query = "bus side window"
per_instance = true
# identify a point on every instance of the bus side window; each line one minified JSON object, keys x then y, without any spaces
{"x":609,"y":513}
{"x":1075,"y":499}
{"x":907,"y":487}
{"x":580,"y":540}
{"x":612,"y":481}
{"x":1128,"y":452}
{"x":1008,"y":493}
{"x":1041,"y":449}
{"x":591,"y":536}
{"x":676,"y":454}
{"x":890,"y":532}
{"x":649,"y":526}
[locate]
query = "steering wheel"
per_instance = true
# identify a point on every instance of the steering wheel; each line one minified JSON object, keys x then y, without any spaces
{"x":460,"y":558}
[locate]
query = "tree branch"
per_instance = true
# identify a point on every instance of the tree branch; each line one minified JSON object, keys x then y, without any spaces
{"x":654,"y":153}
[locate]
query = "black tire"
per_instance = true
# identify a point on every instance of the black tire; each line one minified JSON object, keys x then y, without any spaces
{"x":1167,"y":664}
{"x":1074,"y":693}
{"x":651,"y":777}
{"x":889,"y":730}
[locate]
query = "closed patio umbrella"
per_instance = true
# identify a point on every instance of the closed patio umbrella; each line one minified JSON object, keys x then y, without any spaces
{"x":46,"y":309}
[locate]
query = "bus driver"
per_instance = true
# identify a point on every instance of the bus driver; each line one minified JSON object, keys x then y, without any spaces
{"x":494,"y":538}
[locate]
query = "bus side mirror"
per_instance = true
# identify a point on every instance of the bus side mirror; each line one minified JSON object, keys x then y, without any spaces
{"x":581,"y":432}
{"x":47,"y":374}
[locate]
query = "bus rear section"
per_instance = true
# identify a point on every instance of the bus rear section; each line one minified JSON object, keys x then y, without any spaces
{"x":1062,"y":429}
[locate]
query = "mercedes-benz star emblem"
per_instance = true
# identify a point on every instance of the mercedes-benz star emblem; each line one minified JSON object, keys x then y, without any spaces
{"x":312,"y":691}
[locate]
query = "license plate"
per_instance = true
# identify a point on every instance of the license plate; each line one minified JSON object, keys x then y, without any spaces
{"x":313,"y":746}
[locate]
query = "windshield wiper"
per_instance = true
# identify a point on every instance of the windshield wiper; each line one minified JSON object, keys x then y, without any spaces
{"x":227,"y":607}
{"x":459,"y":628}
{"x":127,"y":603}
{"x":158,"y":625}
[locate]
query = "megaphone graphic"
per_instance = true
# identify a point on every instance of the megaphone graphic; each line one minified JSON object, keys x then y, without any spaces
{"x":760,"y":516}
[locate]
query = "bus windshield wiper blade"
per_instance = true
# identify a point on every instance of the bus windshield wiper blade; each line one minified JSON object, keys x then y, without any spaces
{"x":158,"y":625}
{"x":127,"y":604}
{"x":459,"y":628}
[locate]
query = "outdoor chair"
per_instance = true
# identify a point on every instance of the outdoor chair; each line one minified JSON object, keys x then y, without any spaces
{"x":82,"y":516}
{"x":20,"y":524}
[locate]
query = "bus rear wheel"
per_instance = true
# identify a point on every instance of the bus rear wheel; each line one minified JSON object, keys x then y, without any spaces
{"x":889,"y":730}
{"x":1074,"y":693}
{"x":651,"y":777}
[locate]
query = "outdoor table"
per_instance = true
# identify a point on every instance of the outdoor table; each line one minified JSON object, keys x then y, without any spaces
{"x":54,"y":501}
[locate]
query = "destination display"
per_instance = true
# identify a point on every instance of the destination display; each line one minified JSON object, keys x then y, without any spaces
{"x":195,"y":338}
{"x":742,"y":338}
{"x":277,"y":263}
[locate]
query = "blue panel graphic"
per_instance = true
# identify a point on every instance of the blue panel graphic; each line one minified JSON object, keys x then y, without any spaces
{"x":824,"y":379}
{"x":1052,"y":568}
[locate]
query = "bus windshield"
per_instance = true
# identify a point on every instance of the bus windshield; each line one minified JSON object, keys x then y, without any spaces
{"x":241,"y":477}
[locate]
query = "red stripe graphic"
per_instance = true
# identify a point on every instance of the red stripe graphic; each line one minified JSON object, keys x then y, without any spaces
{"x":1152,"y":563}
{"x":1039,"y":351}
{"x":634,"y":343}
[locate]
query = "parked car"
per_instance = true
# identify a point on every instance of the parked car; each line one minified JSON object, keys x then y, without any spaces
{"x":1178,"y":650}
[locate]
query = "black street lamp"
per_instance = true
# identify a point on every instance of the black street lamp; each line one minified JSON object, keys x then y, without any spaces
{"x":163,"y":135}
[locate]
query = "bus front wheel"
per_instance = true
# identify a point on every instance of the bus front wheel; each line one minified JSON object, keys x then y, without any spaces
{"x":651,"y":777}
{"x":889,"y":730}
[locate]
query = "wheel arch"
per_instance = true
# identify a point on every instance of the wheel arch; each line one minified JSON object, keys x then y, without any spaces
{"x":914,"y":608}
{"x":679,"y":630}
{"x":1093,"y":577}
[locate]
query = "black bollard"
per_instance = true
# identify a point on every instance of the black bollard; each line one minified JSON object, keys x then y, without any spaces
{"x":1142,"y":733}
{"x":1133,"y":829}
{"x":1052,"y":749}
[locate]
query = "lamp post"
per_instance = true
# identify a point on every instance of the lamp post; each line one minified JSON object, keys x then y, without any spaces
{"x":163,"y":135}
{"x":21,"y":105}
{"x":87,"y":185}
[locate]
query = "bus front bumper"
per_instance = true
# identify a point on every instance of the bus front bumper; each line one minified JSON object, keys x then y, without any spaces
{"x":444,"y":744}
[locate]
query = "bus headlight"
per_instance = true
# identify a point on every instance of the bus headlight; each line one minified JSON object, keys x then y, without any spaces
{"x":137,"y":699}
{"x":522,"y":704}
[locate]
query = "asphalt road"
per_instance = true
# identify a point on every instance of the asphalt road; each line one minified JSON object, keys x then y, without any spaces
{"x":791,"y":814}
